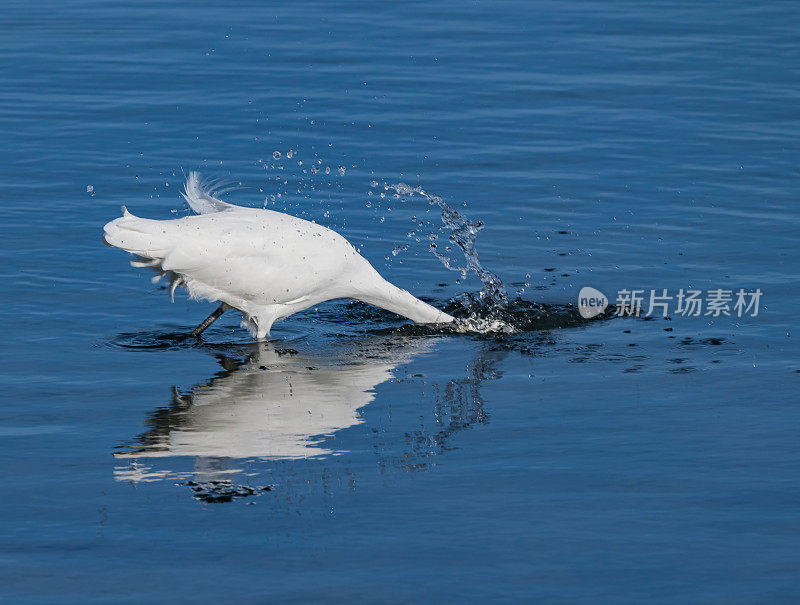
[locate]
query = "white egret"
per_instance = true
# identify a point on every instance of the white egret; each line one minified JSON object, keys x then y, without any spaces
{"x":265,"y":264}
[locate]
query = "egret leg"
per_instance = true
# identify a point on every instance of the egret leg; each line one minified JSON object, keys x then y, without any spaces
{"x":210,"y":320}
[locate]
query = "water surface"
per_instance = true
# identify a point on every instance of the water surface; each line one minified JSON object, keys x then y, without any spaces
{"x":613,"y":145}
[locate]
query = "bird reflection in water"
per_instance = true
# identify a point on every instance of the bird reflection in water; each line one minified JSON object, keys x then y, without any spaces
{"x":276,"y":404}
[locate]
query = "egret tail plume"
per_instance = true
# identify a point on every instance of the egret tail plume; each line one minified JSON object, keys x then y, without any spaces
{"x":199,"y":196}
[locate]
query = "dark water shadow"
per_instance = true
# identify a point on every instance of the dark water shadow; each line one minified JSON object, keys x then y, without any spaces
{"x":347,"y":319}
{"x":520,"y":315}
{"x":173,"y":338}
{"x":153,"y":340}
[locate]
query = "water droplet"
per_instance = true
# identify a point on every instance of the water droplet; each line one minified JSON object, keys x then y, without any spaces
{"x":341,"y":170}
{"x":276,"y":155}
{"x":290,"y":153}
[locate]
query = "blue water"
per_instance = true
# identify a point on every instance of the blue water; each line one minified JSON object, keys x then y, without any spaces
{"x":617,"y":145}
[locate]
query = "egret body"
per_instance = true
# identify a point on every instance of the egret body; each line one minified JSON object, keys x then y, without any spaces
{"x":266,"y":264}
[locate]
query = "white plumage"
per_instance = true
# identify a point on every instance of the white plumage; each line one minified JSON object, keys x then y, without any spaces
{"x":266,"y":264}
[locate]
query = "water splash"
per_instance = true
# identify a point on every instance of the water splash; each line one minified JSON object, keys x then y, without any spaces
{"x":463,"y":233}
{"x":489,"y":311}
{"x":519,"y":317}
